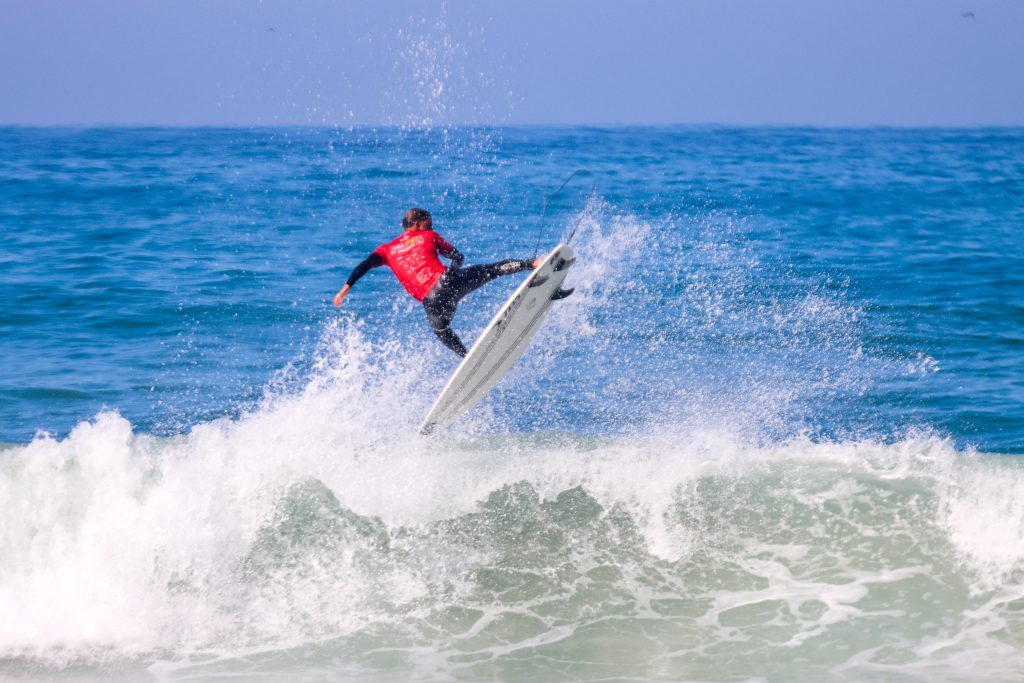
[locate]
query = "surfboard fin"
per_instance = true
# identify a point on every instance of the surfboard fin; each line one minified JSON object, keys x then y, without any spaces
{"x":562,"y":293}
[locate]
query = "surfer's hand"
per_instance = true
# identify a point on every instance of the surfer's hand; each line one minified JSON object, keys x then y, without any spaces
{"x":341,"y":295}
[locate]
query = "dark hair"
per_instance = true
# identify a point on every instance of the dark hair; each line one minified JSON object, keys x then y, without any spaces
{"x":413,"y":216}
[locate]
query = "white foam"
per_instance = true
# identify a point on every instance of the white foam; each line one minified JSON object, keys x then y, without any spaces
{"x":130,"y":543}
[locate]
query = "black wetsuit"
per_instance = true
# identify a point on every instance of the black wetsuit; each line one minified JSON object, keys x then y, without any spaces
{"x":442,"y":300}
{"x":456,"y":283}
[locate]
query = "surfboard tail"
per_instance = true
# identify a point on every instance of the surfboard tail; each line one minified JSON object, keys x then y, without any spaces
{"x":503,"y":341}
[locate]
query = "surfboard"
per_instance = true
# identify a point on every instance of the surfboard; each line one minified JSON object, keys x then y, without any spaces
{"x":503,"y":341}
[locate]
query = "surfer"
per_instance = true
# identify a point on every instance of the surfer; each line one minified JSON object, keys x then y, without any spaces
{"x":413,"y":257}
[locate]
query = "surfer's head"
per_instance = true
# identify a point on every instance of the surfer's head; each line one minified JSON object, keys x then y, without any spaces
{"x":418,"y":219}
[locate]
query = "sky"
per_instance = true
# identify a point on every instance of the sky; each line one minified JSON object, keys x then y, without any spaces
{"x":443,"y":62}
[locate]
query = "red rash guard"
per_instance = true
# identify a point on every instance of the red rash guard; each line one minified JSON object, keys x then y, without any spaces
{"x":413,"y":258}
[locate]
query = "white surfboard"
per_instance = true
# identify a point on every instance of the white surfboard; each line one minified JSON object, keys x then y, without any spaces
{"x":502,"y":342}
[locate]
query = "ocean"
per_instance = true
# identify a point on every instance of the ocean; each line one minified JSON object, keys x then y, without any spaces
{"x":775,"y":434}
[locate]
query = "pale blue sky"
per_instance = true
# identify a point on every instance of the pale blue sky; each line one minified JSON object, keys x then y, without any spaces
{"x":214,"y":62}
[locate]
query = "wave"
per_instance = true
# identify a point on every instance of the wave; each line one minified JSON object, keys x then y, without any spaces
{"x":643,"y":501}
{"x":280,"y":533}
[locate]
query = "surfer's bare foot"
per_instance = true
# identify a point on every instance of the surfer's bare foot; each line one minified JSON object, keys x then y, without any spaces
{"x":537,"y":262}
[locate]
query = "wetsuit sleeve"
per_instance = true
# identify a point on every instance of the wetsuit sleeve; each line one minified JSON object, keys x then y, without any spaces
{"x":371,"y":261}
{"x":446,"y":249}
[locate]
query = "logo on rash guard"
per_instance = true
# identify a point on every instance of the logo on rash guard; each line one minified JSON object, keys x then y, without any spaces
{"x":406,"y":245}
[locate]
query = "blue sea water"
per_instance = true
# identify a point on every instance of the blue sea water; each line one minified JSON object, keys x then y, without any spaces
{"x":773,"y":435}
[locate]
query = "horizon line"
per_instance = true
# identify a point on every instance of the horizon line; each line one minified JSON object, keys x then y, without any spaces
{"x":439,"y":127}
